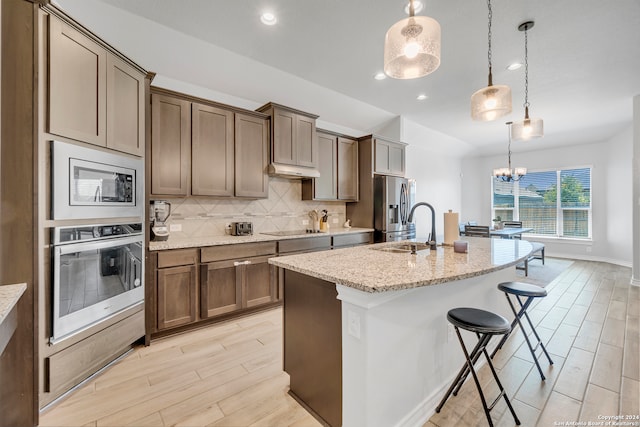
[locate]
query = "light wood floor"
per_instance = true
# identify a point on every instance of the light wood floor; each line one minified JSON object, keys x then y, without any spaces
{"x":231,"y":374}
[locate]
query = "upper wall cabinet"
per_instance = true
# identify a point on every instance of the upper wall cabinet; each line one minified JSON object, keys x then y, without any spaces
{"x":94,"y":96}
{"x":389,"y":157}
{"x":294,"y":145}
{"x":170,"y":145}
{"x":207,"y":149}
{"x":338,"y":167}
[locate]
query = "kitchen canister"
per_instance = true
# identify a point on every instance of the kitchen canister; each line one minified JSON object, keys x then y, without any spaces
{"x":451,"y":227}
{"x":461,"y":246}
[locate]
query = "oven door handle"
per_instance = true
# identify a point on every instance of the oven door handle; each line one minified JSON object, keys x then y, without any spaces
{"x":102,"y":244}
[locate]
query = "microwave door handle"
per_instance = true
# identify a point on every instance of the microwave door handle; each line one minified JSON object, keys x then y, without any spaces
{"x":97,"y":196}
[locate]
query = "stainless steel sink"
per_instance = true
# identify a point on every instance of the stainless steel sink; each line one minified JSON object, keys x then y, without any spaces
{"x":402,"y":247}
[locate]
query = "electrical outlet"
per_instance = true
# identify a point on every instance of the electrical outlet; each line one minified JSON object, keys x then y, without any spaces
{"x":451,"y":332}
{"x":175,"y":227}
{"x":588,"y":248}
{"x":353,"y":319}
{"x":334,"y":220}
{"x":305,"y":222}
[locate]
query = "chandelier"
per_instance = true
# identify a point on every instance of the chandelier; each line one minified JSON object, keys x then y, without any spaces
{"x":493,"y":101}
{"x":528,"y":128}
{"x":412,"y":47}
{"x":509,"y":174}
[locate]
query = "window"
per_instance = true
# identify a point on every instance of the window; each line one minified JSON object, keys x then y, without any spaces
{"x":553,"y":203}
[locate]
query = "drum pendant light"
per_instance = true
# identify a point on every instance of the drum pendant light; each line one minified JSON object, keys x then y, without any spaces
{"x":528,"y":128}
{"x":493,"y":101}
{"x":412,"y":47}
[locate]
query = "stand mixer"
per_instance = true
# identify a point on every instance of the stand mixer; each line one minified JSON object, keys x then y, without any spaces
{"x":159,"y":213}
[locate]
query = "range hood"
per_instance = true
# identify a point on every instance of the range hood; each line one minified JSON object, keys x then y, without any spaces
{"x":292,"y":171}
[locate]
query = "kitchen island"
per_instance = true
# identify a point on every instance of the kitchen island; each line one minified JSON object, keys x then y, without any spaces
{"x":366,"y":339}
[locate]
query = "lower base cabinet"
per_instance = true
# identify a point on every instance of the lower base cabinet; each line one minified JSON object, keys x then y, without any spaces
{"x":219,"y":292}
{"x":176,"y":296}
{"x":200,"y":284}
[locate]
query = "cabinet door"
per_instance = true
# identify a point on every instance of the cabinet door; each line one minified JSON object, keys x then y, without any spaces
{"x":306,"y":141}
{"x":347,"y":169}
{"x":77,"y":85}
{"x":396,"y":159}
{"x":125,"y":107}
{"x":212,"y":140}
{"x":284,"y":133}
{"x":259,"y":282}
{"x":220,"y":288}
{"x":251,"y":156}
{"x":389,"y":158}
{"x":326,"y":187}
{"x":176,"y":296}
{"x":170,"y":146}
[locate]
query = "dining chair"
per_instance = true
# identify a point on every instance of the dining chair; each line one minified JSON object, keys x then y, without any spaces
{"x":476,"y":230}
{"x":513,"y":224}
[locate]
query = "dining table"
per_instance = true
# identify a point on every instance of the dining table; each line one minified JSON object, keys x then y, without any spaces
{"x":509,"y":232}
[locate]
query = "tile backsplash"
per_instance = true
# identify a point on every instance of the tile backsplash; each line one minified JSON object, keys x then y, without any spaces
{"x":283,"y":210}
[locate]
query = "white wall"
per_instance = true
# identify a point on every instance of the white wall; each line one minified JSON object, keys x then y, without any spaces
{"x":434,"y":161}
{"x":611,"y":194}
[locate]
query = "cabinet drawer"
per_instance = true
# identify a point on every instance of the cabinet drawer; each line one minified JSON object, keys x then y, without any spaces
{"x":351,"y":239}
{"x":178,"y":257}
{"x":304,"y":244}
{"x":245,"y":250}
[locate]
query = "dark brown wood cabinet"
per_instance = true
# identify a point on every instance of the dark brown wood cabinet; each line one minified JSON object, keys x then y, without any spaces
{"x":196,"y":285}
{"x":125,"y":107}
{"x":293,"y":136}
{"x":251,"y":156}
{"x":170,"y":146}
{"x":347,"y":169}
{"x":212,"y":145}
{"x":236,"y":277}
{"x":326,"y":186}
{"x":219,"y":290}
{"x":202,"y":148}
{"x":77,"y":85}
{"x":338,"y":167}
{"x":176,"y":287}
{"x":94,"y":96}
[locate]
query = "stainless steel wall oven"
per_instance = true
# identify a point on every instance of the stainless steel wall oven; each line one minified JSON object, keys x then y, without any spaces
{"x":98,"y":270}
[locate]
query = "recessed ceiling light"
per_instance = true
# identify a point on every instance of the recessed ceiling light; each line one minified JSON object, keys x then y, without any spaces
{"x":417,"y":7}
{"x":380,"y":76}
{"x":268,"y":18}
{"x":514,"y":66}
{"x":421,"y":97}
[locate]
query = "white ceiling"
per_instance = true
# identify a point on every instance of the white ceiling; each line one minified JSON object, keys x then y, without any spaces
{"x":584,"y":59}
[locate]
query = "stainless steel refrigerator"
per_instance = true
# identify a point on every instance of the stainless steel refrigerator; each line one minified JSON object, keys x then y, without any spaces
{"x":393,"y":198}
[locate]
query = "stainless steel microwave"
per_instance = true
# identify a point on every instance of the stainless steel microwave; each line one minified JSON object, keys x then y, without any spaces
{"x":90,"y":183}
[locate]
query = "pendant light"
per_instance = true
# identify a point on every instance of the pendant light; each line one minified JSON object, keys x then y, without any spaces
{"x":508,"y":174}
{"x":412,"y":47}
{"x":528,"y":128}
{"x":493,"y":101}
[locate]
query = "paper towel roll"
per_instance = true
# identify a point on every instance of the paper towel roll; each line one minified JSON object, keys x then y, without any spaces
{"x":451,"y":228}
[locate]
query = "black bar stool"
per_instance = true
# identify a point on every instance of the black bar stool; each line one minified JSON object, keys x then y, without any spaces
{"x":530,"y":292}
{"x":485,"y":325}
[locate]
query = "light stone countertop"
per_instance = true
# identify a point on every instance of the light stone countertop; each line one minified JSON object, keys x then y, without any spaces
{"x":9,"y":296}
{"x":196,"y":242}
{"x":370,"y":270}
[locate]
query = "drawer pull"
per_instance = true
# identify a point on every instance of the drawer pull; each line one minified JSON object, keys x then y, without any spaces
{"x":238,"y":263}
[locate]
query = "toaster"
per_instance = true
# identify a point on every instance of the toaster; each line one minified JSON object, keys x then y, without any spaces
{"x":241,"y":228}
